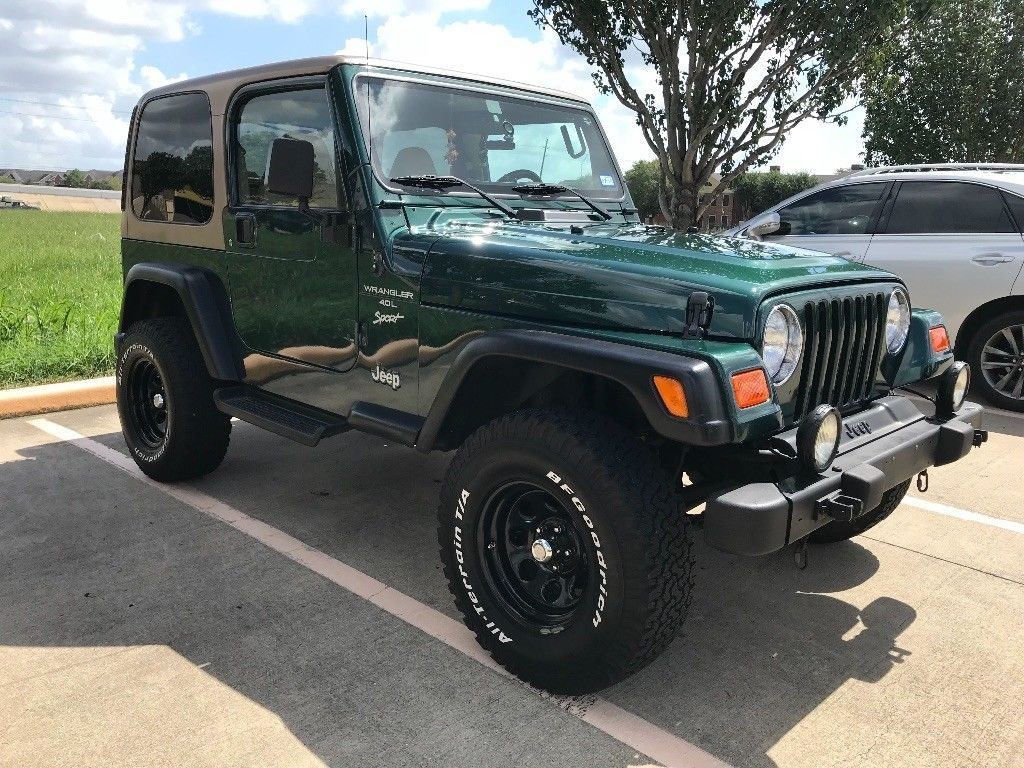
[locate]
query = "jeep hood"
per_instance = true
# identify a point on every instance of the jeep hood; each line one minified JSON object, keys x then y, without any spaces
{"x":624,"y":276}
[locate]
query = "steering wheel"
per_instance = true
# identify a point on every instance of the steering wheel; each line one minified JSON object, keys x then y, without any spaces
{"x":519,"y":175}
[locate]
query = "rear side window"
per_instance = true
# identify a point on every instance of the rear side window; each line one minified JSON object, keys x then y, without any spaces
{"x":1016,"y":205}
{"x":301,"y":114}
{"x":172,"y":174}
{"x":836,"y":211}
{"x":948,"y":207}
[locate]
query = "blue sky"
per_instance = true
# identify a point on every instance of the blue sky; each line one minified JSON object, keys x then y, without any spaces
{"x":70,"y":70}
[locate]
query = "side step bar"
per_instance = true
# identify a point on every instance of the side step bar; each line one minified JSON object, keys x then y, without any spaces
{"x":301,"y":423}
{"x":308,"y":425}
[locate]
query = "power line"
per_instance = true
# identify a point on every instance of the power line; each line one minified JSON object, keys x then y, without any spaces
{"x":61,"y":106}
{"x":52,"y":117}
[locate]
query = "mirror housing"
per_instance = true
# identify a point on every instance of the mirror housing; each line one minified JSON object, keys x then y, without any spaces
{"x":766,"y":224}
{"x":290,"y":169}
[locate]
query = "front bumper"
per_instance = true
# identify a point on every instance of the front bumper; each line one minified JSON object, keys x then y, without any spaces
{"x":884,"y":445}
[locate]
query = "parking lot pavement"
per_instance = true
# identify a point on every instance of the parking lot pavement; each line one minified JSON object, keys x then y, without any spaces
{"x":135,"y":629}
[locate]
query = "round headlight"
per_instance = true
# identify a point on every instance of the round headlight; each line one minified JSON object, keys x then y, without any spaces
{"x":783,"y":343}
{"x":817,"y":439}
{"x":897,"y":321}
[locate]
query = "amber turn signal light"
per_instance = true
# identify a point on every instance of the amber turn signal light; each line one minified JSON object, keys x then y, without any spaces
{"x":672,"y":395}
{"x":750,"y":388}
{"x":939,"y":339}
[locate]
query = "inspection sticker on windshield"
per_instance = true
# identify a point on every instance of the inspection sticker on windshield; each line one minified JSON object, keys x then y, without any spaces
{"x":607,"y":181}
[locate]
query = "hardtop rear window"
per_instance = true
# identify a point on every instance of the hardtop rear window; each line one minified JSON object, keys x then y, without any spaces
{"x":172,"y":169}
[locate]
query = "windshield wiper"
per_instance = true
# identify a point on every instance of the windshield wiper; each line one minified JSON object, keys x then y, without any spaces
{"x":542,"y":189}
{"x":429,"y":181}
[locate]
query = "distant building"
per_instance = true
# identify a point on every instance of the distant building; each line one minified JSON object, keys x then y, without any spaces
{"x":55,"y":178}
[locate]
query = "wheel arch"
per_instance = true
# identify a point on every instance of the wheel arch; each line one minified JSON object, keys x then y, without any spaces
{"x":980,"y":316}
{"x":172,"y":290}
{"x":500,"y":372}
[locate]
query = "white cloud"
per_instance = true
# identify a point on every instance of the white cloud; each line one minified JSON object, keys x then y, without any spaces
{"x":407,"y":7}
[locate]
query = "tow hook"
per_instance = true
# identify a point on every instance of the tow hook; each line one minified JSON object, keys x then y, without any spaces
{"x":922,"y":481}
{"x":980,"y":437}
{"x":800,"y":555}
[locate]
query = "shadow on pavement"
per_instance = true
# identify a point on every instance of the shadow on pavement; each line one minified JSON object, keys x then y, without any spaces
{"x":765,"y":644}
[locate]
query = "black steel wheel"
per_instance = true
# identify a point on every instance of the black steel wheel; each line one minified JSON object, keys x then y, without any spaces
{"x":534,"y":553}
{"x":165,"y":401}
{"x":997,"y":356}
{"x":565,"y":548}
{"x":147,"y":403}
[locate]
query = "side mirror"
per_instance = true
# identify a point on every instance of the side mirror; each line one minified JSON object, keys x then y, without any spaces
{"x":768,"y":224}
{"x":290,"y":170}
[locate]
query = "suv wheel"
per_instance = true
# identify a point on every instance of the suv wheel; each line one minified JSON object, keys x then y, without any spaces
{"x":996,"y":356}
{"x":840,"y":530}
{"x":565,"y":548}
{"x":165,"y":401}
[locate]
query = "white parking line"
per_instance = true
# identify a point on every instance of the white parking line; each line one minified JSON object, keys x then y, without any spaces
{"x":633,"y":731}
{"x":963,"y":514}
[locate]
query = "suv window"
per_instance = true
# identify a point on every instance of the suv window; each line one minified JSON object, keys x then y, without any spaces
{"x":947,"y":207}
{"x":1016,"y":205}
{"x":835,"y":211}
{"x":172,"y":173}
{"x":300,"y":114}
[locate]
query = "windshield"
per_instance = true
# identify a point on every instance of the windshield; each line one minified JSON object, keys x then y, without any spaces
{"x":495,"y":142}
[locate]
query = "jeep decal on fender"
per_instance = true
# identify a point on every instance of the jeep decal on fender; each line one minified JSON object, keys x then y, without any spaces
{"x":386,"y":377}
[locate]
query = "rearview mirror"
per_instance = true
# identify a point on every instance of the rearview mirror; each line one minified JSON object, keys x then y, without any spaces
{"x":290,"y":170}
{"x":768,"y":224}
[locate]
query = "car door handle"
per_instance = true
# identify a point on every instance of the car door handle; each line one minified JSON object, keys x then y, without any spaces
{"x":245,"y":229}
{"x":991,"y":259}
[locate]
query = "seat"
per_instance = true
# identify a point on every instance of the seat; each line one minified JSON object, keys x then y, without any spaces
{"x":412,"y":161}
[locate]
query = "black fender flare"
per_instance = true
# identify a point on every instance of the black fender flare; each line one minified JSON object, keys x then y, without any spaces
{"x":206,"y":305}
{"x":631,"y":366}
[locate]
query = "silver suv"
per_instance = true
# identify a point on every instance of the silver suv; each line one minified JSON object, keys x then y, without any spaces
{"x":951,"y":231}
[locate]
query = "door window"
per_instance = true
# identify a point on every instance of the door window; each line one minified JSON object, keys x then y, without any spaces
{"x":300,"y":114}
{"x":172,"y":170}
{"x":836,"y":211}
{"x":947,"y":207}
{"x":1016,"y":205}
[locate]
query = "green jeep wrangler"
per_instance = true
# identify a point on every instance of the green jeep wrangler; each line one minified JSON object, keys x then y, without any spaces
{"x":455,"y":264}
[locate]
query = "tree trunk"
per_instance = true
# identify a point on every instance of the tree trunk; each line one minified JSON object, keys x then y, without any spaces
{"x":680,"y":204}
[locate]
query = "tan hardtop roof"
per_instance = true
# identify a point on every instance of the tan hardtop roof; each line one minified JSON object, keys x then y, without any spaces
{"x":220,"y":86}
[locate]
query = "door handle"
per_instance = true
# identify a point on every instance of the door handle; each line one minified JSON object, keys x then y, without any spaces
{"x":991,"y":259}
{"x":245,"y":229}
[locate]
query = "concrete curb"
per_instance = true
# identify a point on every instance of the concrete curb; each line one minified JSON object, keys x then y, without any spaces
{"x":47,"y":398}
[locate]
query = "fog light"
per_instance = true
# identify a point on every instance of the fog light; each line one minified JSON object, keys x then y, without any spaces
{"x":817,"y":439}
{"x":953,"y":387}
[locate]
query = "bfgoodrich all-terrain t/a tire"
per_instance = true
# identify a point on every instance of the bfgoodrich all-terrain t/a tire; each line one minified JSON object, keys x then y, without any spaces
{"x":840,"y":530}
{"x":165,"y":401}
{"x":565,"y":548}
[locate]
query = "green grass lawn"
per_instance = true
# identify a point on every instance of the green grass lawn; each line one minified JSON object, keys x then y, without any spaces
{"x":60,"y":294}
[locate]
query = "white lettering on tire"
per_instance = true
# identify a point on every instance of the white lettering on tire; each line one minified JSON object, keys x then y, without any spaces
{"x":119,"y":371}
{"x":602,"y":566}
{"x":489,"y":625}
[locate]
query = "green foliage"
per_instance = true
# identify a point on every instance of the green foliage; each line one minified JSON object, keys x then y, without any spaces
{"x":757,"y":191}
{"x":75,"y":178}
{"x":950,"y":90}
{"x":60,"y":294}
{"x":642,"y":180}
{"x":734,"y":77}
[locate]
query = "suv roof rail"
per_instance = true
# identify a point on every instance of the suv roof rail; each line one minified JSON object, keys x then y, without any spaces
{"x":925,"y":167}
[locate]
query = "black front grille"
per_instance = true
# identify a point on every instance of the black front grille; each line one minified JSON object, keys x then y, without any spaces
{"x":844,"y":343}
